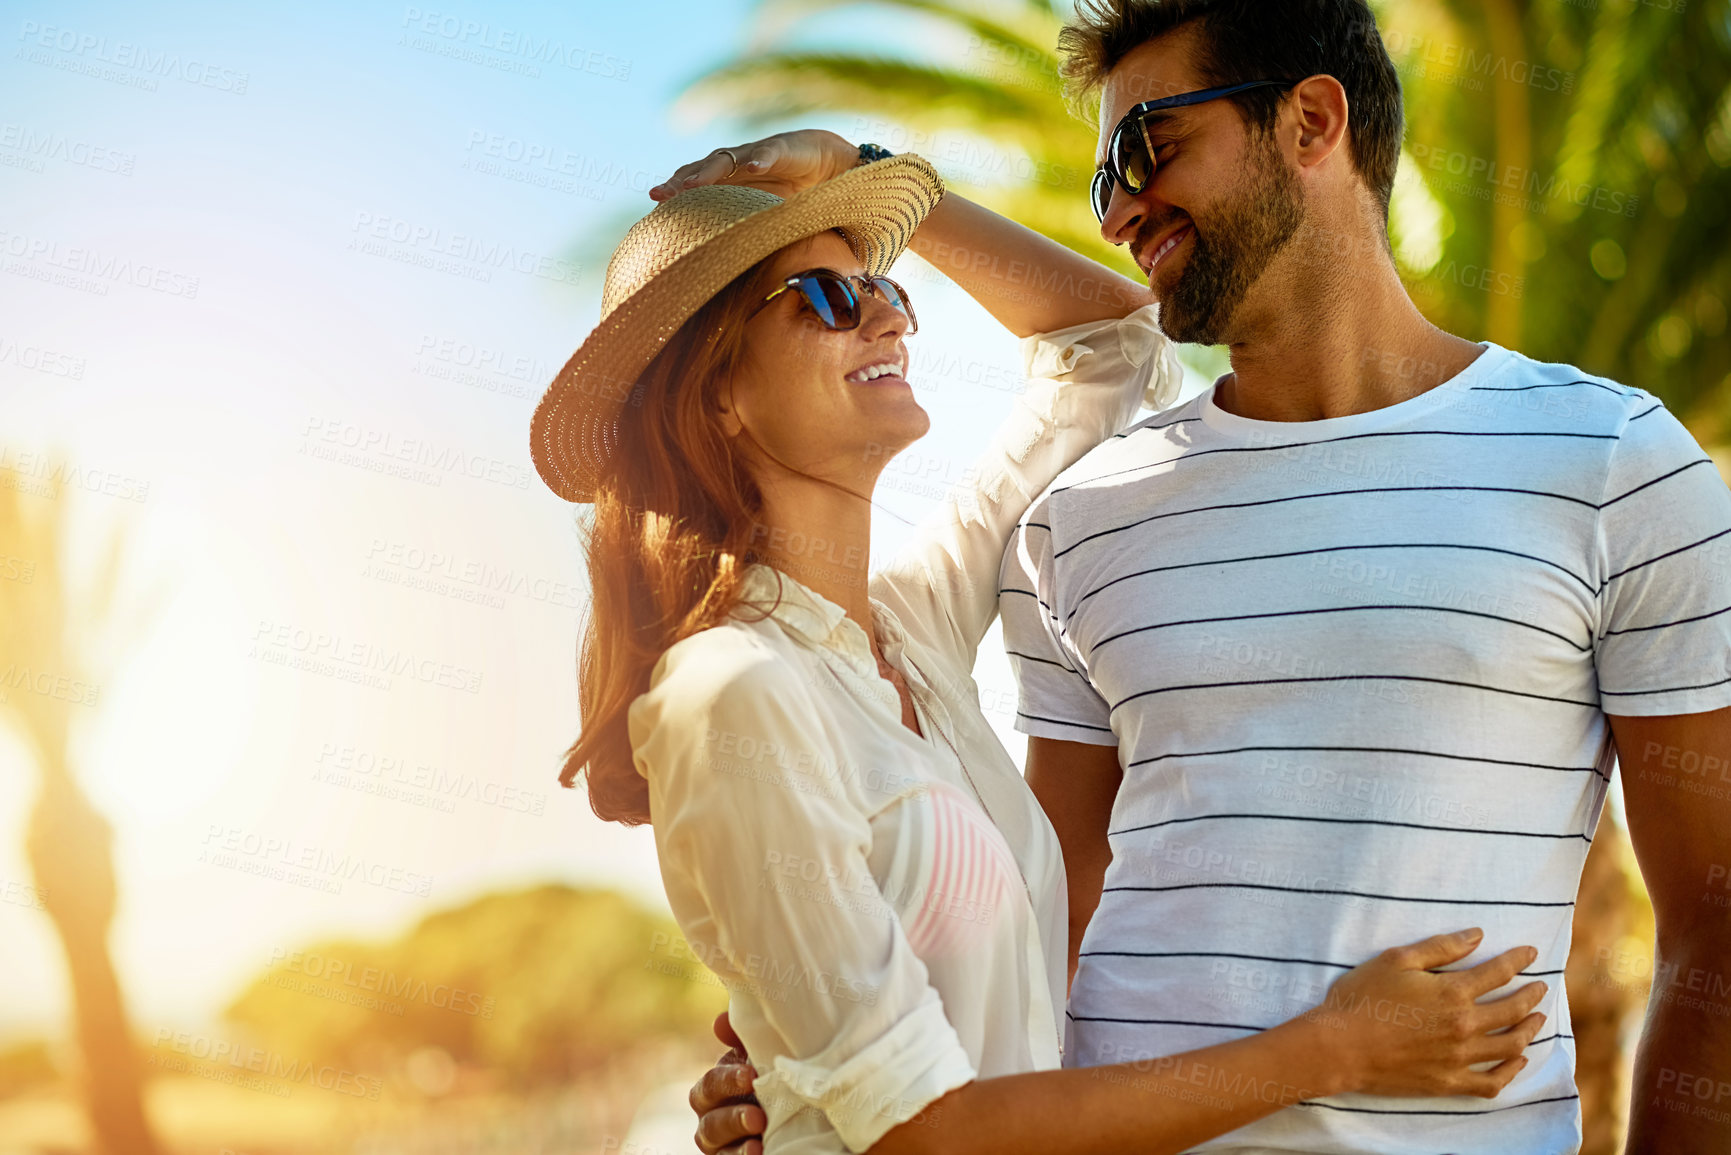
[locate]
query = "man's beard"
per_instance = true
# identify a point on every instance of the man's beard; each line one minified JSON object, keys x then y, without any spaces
{"x":1248,"y":229}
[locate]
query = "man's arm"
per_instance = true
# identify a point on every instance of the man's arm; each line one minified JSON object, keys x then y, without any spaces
{"x":1076,"y":784}
{"x":1677,"y":791}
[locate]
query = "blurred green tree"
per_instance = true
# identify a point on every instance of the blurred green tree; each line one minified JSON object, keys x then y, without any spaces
{"x":1568,"y":173}
{"x":537,"y":986}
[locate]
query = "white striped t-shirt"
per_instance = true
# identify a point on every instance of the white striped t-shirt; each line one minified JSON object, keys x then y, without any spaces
{"x":1358,"y":672}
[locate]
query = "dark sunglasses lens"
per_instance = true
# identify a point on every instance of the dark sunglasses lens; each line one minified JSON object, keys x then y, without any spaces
{"x":832,"y":298}
{"x":896,"y":299}
{"x":1101,"y":193}
{"x":1131,"y":153}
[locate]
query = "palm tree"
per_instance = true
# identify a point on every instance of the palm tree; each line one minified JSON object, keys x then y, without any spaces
{"x":1585,"y":224}
{"x":44,"y":682}
{"x":1581,"y":151}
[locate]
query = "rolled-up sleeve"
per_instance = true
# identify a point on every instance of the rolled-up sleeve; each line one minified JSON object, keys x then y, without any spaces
{"x":763,"y":836}
{"x":1084,"y":383}
{"x":864,"y":1093}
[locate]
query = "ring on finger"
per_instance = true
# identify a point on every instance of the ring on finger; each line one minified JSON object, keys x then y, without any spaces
{"x":732,"y":158}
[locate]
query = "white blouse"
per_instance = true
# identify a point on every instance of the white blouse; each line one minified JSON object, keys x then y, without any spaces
{"x":886,"y":910}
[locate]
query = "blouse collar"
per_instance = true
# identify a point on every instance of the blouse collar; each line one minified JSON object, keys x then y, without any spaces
{"x":809,"y":615}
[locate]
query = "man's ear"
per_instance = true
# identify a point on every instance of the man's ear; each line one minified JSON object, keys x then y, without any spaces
{"x":1320,"y":105}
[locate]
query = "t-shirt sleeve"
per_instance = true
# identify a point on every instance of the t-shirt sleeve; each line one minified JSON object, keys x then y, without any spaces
{"x":1664,"y":603}
{"x":745,"y":787}
{"x":1055,"y":697}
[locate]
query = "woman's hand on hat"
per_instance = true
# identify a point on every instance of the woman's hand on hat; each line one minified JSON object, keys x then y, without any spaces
{"x":784,"y":164}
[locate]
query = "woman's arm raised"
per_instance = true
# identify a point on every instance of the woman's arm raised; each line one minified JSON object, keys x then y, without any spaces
{"x":1028,"y":282}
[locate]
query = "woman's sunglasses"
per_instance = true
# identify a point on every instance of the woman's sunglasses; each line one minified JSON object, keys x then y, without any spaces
{"x":835,"y":300}
{"x":1130,"y":158}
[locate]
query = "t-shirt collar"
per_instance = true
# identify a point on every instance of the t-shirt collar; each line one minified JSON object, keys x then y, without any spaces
{"x":1485,"y":367}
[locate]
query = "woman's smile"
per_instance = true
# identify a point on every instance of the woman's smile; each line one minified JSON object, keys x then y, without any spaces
{"x":880,"y":372}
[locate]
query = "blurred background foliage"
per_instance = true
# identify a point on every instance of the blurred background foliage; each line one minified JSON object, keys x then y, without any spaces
{"x":528,"y":988}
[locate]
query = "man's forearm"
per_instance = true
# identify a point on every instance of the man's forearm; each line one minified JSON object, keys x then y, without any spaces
{"x":1681,"y":1090}
{"x":1029,"y":282}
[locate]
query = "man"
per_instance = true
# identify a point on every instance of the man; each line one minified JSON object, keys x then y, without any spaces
{"x":1341,"y":649}
{"x":1345,"y":650}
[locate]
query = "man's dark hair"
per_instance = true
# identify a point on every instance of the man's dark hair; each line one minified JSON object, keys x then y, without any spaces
{"x":1256,"y":40}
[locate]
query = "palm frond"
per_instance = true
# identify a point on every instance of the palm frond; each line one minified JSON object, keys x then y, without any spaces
{"x":32,"y":625}
{"x":785,"y":85}
{"x":1025,"y":32}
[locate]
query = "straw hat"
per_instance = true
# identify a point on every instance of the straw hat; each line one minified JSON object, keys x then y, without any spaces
{"x":679,"y":256}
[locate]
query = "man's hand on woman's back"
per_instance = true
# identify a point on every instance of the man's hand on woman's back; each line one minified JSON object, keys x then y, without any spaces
{"x":729,"y":1119}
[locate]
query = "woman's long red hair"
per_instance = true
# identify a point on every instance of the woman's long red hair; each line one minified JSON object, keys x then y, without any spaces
{"x":669,"y":541}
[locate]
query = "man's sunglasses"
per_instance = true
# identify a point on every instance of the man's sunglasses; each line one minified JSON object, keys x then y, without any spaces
{"x":836,"y":301}
{"x":1129,"y":156}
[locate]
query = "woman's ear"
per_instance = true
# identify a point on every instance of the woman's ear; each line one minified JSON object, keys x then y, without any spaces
{"x":726,"y":415}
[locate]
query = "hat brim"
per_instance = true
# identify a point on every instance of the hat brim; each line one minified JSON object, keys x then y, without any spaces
{"x":573,"y":432}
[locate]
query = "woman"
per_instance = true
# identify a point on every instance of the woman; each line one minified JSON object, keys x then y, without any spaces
{"x":841,"y":836}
